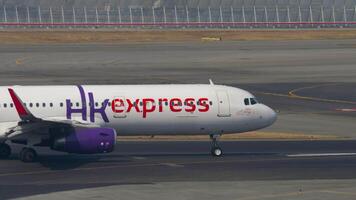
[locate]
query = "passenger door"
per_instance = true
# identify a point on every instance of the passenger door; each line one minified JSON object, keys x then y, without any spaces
{"x":223,"y":104}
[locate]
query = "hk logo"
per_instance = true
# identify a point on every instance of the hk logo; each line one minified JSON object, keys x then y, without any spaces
{"x":84,"y":110}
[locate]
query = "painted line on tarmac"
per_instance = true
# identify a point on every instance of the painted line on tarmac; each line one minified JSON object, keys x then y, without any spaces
{"x":320,"y":154}
{"x":172,"y":165}
{"x":213,"y":161}
{"x":292,"y":94}
{"x":139,"y":158}
{"x":346,"y":110}
{"x":278,"y":195}
{"x":299,"y":194}
{"x":340,"y":192}
{"x":20,"y":61}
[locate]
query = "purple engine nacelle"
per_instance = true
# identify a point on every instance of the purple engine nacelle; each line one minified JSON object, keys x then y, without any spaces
{"x":85,"y":141}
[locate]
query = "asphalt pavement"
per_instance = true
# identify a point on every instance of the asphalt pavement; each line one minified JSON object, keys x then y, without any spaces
{"x":311,"y":84}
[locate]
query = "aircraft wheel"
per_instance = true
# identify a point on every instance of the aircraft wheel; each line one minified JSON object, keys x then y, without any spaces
{"x":215,"y":148}
{"x":28,"y":155}
{"x":216,"y":151}
{"x":5,"y":150}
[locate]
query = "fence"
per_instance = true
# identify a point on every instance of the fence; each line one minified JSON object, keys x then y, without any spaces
{"x":181,"y":17}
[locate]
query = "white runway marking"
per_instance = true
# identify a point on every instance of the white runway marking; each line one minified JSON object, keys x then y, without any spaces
{"x":139,"y":158}
{"x":320,"y":154}
{"x":347,"y":110}
{"x":172,"y":165}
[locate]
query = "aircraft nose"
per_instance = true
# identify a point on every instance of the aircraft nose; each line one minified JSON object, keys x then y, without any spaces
{"x":269,"y":115}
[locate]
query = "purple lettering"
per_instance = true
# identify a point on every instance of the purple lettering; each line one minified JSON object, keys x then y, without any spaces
{"x":100,"y":110}
{"x":82,"y":110}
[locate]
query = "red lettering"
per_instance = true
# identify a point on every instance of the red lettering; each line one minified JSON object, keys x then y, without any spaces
{"x":146,"y":109}
{"x":190,"y":104}
{"x":175,"y":105}
{"x":117,"y":106}
{"x":161,"y":104}
{"x":148,"y":105}
{"x":203,"y":102}
{"x":133,"y":105}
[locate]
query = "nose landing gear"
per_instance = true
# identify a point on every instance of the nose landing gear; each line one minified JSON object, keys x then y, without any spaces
{"x":215,"y":148}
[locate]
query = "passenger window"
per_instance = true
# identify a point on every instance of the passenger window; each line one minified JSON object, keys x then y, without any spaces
{"x":37,"y":104}
{"x":31,"y":104}
{"x":11,"y":105}
{"x":211,"y":103}
{"x":61,"y":104}
{"x":247,"y":102}
{"x":96,"y":104}
{"x":77,"y":104}
{"x":43,"y":104}
{"x":51,"y":104}
{"x":5,"y":105}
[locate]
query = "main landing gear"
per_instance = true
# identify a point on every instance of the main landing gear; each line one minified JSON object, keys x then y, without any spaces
{"x":5,"y":150}
{"x":28,"y":155}
{"x":215,"y":148}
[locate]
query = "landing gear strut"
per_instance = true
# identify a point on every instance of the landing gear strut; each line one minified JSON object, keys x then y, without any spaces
{"x":215,"y":148}
{"x":5,"y":150}
{"x":28,"y":155}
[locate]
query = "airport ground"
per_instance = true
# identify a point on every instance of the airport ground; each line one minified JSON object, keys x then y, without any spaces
{"x":311,"y":83}
{"x":146,"y":35}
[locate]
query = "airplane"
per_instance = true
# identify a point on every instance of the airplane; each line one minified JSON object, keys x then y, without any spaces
{"x":87,"y":119}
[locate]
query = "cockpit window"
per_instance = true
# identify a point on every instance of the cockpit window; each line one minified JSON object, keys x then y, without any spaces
{"x":253,"y":101}
{"x":247,"y":102}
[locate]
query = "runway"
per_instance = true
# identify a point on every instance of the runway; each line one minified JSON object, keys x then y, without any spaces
{"x":311,"y":84}
{"x":137,"y":164}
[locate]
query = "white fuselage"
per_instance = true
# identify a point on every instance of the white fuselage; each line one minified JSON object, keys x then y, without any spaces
{"x":143,"y":109}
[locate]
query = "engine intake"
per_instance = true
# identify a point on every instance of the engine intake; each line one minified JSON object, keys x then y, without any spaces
{"x":85,"y":140}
